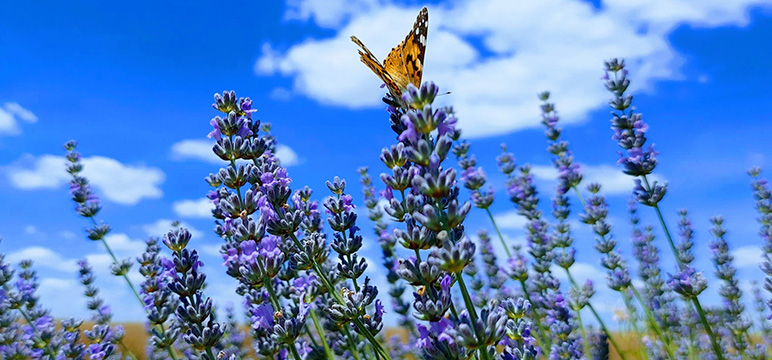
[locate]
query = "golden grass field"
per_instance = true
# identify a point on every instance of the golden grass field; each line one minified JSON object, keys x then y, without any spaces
{"x":136,"y":338}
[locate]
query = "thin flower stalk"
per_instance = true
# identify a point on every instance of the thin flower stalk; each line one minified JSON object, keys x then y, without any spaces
{"x":423,"y":195}
{"x":281,"y":215}
{"x":387,"y":242}
{"x":722,"y":259}
{"x":474,"y":180}
{"x":763,"y":197}
{"x":88,"y":206}
{"x":195,"y":310}
{"x":40,"y":325}
{"x":639,"y":162}
{"x":570,"y":177}
{"x":760,"y":306}
{"x":102,"y":312}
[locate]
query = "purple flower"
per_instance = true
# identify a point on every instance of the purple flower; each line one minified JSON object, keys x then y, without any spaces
{"x":409,"y":135}
{"x":688,"y":282}
{"x":216,"y":133}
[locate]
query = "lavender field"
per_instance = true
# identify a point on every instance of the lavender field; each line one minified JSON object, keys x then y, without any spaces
{"x":499,"y":198}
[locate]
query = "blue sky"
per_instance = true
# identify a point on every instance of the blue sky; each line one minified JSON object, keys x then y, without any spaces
{"x":133,"y":84}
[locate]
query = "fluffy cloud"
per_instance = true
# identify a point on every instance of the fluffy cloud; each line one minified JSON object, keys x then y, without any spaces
{"x":61,"y":292}
{"x":45,"y":171}
{"x":747,"y":256}
{"x":124,"y":245}
{"x":326,"y":13}
{"x":118,"y":182}
{"x":554,"y":45}
{"x":286,"y":155}
{"x":162,"y":226}
{"x":199,"y":208}
{"x":611,"y":178}
{"x":10,"y":115}
{"x":197,"y":149}
{"x":43,"y":257}
{"x":510,"y":220}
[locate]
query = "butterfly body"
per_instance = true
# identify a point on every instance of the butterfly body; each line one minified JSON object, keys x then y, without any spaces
{"x":404,"y":64}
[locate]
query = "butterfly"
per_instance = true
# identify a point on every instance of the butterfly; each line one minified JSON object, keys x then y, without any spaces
{"x":404,"y":64}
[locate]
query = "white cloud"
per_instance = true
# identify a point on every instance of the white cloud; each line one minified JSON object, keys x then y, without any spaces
{"x":664,"y":13}
{"x":43,"y":257}
{"x":100,"y":262}
{"x":212,"y":249}
{"x":197,"y":149}
{"x":498,"y":246}
{"x":67,"y":234}
{"x":326,"y":13}
{"x":286,"y":155}
{"x":280,"y":94}
{"x":202,"y":150}
{"x":30,"y":229}
{"x":124,"y":245}
{"x":747,"y":256}
{"x":10,"y":116}
{"x":56,"y":285}
{"x":124,"y":184}
{"x":59,"y":294}
{"x":61,"y":291}
{"x":610,"y":177}
{"x":162,"y":226}
{"x":45,"y":171}
{"x":199,"y":208}
{"x":581,"y":272}
{"x":510,"y":220}
{"x":556,"y":45}
{"x":118,"y":182}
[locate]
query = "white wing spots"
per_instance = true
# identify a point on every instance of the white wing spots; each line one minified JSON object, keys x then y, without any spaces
{"x":422,"y":40}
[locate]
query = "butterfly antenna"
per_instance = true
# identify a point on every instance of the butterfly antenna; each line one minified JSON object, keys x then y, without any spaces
{"x":445,"y":93}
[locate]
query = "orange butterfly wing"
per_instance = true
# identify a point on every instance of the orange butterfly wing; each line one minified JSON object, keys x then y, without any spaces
{"x":404,"y":64}
{"x":367,"y":57}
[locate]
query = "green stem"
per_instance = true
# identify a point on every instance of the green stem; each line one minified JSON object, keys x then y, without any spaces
{"x":595,"y":313}
{"x":211,"y":354}
{"x":46,"y":349}
{"x":294,"y":351}
{"x":664,"y":227}
{"x":352,"y":346}
{"x":310,"y":335}
{"x":586,"y":340}
{"x":331,"y":289}
{"x":126,"y":350}
{"x":597,"y":317}
{"x":162,"y":333}
{"x":322,"y":336}
{"x":653,"y":324}
{"x":708,"y":330}
{"x":580,"y":196}
{"x":348,"y":256}
{"x":501,"y":237}
{"x":472,"y":315}
{"x":542,"y":338}
{"x":195,"y":303}
{"x":267,"y":282}
{"x":124,"y":276}
{"x":695,"y":301}
{"x":608,"y":333}
{"x":634,"y":323}
{"x":162,"y":337}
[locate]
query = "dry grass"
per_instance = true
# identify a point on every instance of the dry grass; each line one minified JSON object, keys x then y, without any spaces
{"x":136,"y":338}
